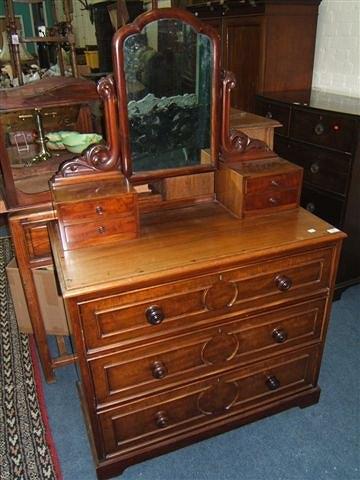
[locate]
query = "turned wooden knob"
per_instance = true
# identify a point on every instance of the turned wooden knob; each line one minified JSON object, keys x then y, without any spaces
{"x":279,"y":335}
{"x":314,"y":168}
{"x":319,"y":129}
{"x":283,"y":282}
{"x":101,"y":229}
{"x":99,"y":210}
{"x":158,"y":369}
{"x":154,"y":315}
{"x":272,"y":382}
{"x":161,"y":419}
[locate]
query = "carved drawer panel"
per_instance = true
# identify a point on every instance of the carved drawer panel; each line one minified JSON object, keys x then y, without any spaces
{"x":96,"y":210}
{"x":323,"y":128}
{"x":229,"y":395}
{"x":270,"y":199}
{"x":125,"y":374}
{"x":165,"y":310}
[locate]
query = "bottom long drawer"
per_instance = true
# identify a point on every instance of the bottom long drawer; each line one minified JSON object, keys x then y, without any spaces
{"x":159,"y":417}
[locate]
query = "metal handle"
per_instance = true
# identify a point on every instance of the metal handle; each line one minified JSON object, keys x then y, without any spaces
{"x":154,"y":315}
{"x":283,"y":282}
{"x":319,"y":129}
{"x":279,"y":335}
{"x":314,"y":168}
{"x":272,"y":382}
{"x":161,"y":419}
{"x":99,"y":210}
{"x":158,"y":369}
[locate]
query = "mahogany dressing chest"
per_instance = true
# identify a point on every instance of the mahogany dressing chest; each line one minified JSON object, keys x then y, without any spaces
{"x":205,"y":305}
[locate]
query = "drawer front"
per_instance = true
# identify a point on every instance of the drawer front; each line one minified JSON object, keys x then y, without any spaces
{"x":98,"y":210}
{"x":37,"y":241}
{"x":271,"y":199}
{"x":278,"y":112}
{"x":165,"y":310}
{"x":273,"y":182}
{"x":322,"y":168}
{"x":99,"y":230}
{"x":326,"y":129}
{"x":324,"y":206}
{"x":227,"y":396}
{"x":128,"y":373}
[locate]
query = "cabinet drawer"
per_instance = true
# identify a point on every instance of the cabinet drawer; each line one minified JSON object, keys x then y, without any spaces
{"x":276,"y":111}
{"x":271,"y":200}
{"x":326,"y":129}
{"x":322,"y":168}
{"x":221,"y":398}
{"x":165,"y":310}
{"x":99,"y":230}
{"x":125,"y":374}
{"x":273,"y":182}
{"x":323,"y":205}
{"x":98,"y":210}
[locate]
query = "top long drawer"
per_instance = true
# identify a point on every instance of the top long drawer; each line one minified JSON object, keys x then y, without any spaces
{"x":167,"y":309}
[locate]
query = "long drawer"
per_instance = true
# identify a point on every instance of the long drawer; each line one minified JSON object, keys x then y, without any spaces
{"x":122,"y":375}
{"x":169,"y":309}
{"x":159,"y":417}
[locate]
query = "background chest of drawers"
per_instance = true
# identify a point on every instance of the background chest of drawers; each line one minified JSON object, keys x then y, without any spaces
{"x":321,"y":133}
{"x":175,"y":348}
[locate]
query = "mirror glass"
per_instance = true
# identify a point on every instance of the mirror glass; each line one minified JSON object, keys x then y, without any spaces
{"x":168,"y":70}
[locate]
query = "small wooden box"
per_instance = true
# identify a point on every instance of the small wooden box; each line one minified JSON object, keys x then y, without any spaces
{"x":258,"y":187}
{"x":96,"y":212}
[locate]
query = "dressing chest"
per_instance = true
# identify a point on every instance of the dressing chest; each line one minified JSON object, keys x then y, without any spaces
{"x":213,"y":312}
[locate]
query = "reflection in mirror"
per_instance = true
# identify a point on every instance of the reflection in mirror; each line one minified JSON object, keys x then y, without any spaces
{"x":168,"y":69}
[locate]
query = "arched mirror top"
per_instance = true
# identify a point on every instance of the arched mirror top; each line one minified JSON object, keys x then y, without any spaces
{"x":166,"y":72}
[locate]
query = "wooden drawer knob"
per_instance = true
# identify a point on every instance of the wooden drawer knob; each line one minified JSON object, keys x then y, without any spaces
{"x":99,"y":210}
{"x":273,"y":201}
{"x":161,"y":419}
{"x":279,"y":335}
{"x":310,"y":207}
{"x":283,"y":283}
{"x":319,"y":129}
{"x":272,"y":382}
{"x":158,"y":369}
{"x":314,"y":168}
{"x":154,"y":315}
{"x":101,"y":229}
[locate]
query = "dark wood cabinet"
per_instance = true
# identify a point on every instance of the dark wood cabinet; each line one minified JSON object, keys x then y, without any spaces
{"x":268,"y":45}
{"x":321,"y":133}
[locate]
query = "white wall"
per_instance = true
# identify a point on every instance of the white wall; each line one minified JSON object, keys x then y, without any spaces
{"x":337,"y":52}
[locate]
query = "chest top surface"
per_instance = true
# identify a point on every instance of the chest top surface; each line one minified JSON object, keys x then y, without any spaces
{"x":181,"y":242}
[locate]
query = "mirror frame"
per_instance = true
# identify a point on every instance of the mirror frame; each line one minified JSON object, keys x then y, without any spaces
{"x":119,"y":76}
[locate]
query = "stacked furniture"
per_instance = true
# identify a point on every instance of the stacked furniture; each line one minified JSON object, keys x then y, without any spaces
{"x":205,"y":305}
{"x":321,"y":133}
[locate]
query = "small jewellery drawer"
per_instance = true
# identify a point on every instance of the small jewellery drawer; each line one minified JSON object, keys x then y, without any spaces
{"x":270,"y":199}
{"x":131,"y":372}
{"x":96,"y":210}
{"x":273,"y":182}
{"x":325,"y":129}
{"x":220,"y":398}
{"x":83,"y":234}
{"x":165,"y":310}
{"x":278,"y":112}
{"x":325,"y":169}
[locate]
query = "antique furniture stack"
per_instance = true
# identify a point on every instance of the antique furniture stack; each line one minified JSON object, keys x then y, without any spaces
{"x":321,"y":133}
{"x":198,"y":291}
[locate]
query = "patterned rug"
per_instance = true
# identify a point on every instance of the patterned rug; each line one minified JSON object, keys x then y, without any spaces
{"x":26,"y":448}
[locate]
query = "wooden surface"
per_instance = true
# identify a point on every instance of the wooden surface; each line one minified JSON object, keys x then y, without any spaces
{"x":321,"y":133}
{"x":204,"y":323}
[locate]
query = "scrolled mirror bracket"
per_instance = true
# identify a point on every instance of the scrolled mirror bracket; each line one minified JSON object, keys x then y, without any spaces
{"x":100,"y":157}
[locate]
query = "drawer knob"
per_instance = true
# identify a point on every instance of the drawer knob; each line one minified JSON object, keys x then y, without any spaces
{"x":319,"y":129}
{"x":275,"y":183}
{"x":314,"y":168}
{"x":161,"y":419}
{"x":279,"y":335}
{"x":268,"y":114}
{"x":158,"y":369}
{"x":272,"y":382}
{"x":101,"y":229}
{"x":310,"y":207}
{"x":99,"y":210}
{"x":154,"y":315}
{"x":273,"y":201}
{"x":283,"y":282}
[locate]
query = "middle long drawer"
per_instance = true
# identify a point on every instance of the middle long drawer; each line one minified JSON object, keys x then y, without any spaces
{"x":125,"y":374}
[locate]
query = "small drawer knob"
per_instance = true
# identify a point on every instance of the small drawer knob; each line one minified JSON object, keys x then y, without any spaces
{"x":283,"y":282}
{"x":272,"y":382}
{"x":319,"y":129}
{"x":161,"y":419}
{"x":273,"y":201}
{"x":101,"y":229}
{"x":99,"y":210}
{"x":158,"y":369}
{"x":310,"y":207}
{"x":154,"y":315}
{"x":275,"y":183}
{"x":269,"y":114}
{"x":279,"y":335}
{"x":314,"y":168}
